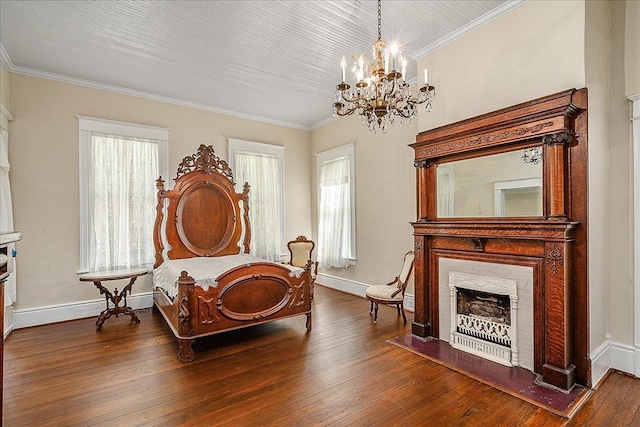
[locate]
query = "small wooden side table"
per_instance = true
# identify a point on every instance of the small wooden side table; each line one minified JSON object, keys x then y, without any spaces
{"x":116,"y":297}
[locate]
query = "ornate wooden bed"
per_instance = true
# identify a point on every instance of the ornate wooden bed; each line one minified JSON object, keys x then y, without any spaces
{"x":204,"y":221}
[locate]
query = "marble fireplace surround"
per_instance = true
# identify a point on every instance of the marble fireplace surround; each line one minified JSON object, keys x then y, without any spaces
{"x":521,"y":275}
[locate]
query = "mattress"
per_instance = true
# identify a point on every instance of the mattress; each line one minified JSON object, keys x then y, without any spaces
{"x":204,"y":270}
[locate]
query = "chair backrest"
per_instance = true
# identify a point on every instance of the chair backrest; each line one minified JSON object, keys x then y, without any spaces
{"x":407,"y":267}
{"x":300,"y":250}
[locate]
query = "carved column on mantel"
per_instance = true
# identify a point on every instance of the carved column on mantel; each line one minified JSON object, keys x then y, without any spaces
{"x":422,"y":180}
{"x":556,"y":162}
{"x":421,"y":325}
{"x":557,"y":368}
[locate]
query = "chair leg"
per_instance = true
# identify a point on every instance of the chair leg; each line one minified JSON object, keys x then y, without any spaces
{"x":398,"y":308}
{"x":404,"y":317}
{"x":375,"y":314}
{"x":371,"y":308}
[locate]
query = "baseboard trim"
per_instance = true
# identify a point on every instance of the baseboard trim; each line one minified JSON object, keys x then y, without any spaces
{"x":612,"y":355}
{"x":8,"y":321}
{"x":356,"y":288}
{"x":28,"y":317}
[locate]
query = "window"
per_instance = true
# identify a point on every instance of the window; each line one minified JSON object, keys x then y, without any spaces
{"x":119,"y":163}
{"x":262,"y":166}
{"x":336,"y":207}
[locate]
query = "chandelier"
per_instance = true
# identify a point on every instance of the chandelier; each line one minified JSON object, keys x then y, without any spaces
{"x":381,"y":95}
{"x":531,"y":156}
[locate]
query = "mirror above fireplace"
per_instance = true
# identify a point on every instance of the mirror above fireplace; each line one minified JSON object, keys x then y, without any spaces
{"x":507,"y":184}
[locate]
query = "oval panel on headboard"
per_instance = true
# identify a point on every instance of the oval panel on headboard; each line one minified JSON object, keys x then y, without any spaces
{"x":205,"y":219}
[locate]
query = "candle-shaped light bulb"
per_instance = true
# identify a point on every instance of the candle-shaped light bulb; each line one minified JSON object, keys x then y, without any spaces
{"x":394,"y":52}
{"x":343,"y":65}
{"x":426,"y":76}
{"x":403,"y":61}
{"x":386,"y":63}
{"x":361,"y":64}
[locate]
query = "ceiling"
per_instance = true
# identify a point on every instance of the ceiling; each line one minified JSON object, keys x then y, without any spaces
{"x":273,"y":61}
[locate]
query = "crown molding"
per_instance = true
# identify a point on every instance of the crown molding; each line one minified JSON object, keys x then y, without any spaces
{"x":323,"y":123}
{"x":5,"y":112}
{"x":471,"y":26}
{"x":146,"y":95}
{"x":4,"y":58}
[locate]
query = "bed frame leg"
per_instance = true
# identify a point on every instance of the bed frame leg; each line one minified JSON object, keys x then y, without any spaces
{"x":154,"y":308}
{"x":185,"y":352}
{"x":309,"y":322}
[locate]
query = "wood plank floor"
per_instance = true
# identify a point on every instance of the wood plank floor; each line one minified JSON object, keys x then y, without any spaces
{"x":342,"y":373}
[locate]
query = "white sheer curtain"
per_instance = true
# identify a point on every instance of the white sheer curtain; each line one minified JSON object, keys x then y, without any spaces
{"x":444,"y":196}
{"x":334,"y":222}
{"x":122,"y":201}
{"x":6,"y":214}
{"x":263,"y":174}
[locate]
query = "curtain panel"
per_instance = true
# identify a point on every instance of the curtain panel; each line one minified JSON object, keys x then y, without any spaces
{"x":262,"y":172}
{"x":334,"y":217}
{"x":122,"y":201}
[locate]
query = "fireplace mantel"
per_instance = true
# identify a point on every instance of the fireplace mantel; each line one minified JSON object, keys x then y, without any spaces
{"x":554,"y":244}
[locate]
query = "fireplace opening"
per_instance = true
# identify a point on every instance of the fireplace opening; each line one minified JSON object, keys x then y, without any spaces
{"x":484,"y":315}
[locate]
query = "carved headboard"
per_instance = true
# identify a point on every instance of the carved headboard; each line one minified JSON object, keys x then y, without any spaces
{"x":203,"y":215}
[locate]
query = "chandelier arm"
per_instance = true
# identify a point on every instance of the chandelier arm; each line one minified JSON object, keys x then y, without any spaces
{"x":354,"y":98}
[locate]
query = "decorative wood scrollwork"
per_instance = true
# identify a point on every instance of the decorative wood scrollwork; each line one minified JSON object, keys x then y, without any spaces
{"x":297,"y":292}
{"x":205,"y":160}
{"x":554,"y":257}
{"x":480,"y":140}
{"x":417,"y":247}
{"x":558,"y":138}
{"x":247,"y":223}
{"x":208,"y":311}
{"x":183,"y":310}
{"x":478,"y":244}
{"x":422,"y":163}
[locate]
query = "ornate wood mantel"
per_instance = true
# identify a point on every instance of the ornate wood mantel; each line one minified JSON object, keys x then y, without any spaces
{"x":553,"y":245}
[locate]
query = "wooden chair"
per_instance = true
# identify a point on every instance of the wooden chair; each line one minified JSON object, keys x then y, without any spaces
{"x":300,"y":255}
{"x":389,"y":294}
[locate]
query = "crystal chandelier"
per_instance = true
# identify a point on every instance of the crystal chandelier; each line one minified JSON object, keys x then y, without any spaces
{"x":381,"y":94}
{"x":531,"y":156}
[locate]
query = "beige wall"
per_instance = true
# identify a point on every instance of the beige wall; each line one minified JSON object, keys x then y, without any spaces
{"x":44,"y":173}
{"x":632,"y":47}
{"x":532,"y":51}
{"x":597,"y":41}
{"x":624,"y":76}
{"x":385,"y":196}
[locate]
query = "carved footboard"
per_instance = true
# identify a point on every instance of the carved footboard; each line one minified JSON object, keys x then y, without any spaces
{"x":244,"y":296}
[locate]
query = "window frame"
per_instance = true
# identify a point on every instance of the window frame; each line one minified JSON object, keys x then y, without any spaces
{"x":347,"y":150}
{"x":89,"y":125}
{"x":240,"y":145}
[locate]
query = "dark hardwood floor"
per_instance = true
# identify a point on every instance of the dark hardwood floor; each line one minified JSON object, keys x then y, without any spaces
{"x":342,"y":373}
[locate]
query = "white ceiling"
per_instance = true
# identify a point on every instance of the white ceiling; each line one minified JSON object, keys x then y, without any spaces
{"x":274,"y":61}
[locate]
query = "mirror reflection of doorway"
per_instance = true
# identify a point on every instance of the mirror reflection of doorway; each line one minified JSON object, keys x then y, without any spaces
{"x":522,"y":197}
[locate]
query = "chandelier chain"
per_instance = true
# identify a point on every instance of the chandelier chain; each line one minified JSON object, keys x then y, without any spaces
{"x":379,"y":20}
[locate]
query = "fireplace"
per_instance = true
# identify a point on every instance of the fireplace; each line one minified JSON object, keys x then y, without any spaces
{"x":484,"y":313}
{"x":457,"y":222}
{"x":513,"y":280}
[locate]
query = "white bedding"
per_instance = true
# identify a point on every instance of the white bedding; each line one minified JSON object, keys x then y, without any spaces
{"x":204,"y":270}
